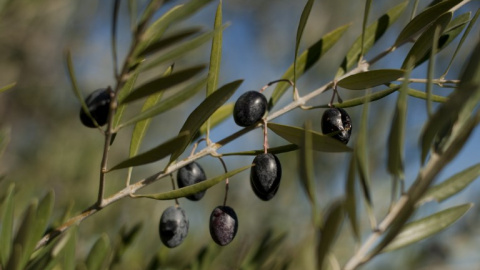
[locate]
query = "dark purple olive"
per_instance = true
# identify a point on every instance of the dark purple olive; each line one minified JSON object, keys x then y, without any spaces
{"x":223,"y":225}
{"x":98,"y":104}
{"x":173,"y":226}
{"x":337,"y":120}
{"x":189,"y":175}
{"x":249,"y":108}
{"x":265,"y":176}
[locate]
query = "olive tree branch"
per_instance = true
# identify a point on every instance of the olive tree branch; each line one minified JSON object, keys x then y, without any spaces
{"x":210,"y":149}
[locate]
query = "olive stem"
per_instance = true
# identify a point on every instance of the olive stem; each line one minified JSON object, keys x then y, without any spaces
{"x":226,"y":180}
{"x":174,"y":187}
{"x":265,"y":136}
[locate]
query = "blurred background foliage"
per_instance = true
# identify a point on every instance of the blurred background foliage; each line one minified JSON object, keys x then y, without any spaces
{"x":50,"y":149}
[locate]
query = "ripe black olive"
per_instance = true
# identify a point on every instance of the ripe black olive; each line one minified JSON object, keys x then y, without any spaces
{"x":249,"y":108}
{"x":98,"y":104}
{"x":223,"y":225}
{"x":265,"y":176}
{"x":173,"y":227}
{"x":337,"y":120}
{"x":189,"y":175}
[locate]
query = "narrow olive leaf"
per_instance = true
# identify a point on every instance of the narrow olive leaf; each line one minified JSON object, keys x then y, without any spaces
{"x":396,"y":137}
{"x":116,"y":7}
{"x":454,"y":28}
{"x":43,"y":214}
{"x":369,"y":79}
{"x":274,"y":150}
{"x":423,"y":45}
{"x":216,"y":52}
{"x":351,"y":198}
{"x":154,"y":154}
{"x":156,"y":30}
{"x":307,"y":59}
{"x":328,"y":233}
{"x":6,"y":226}
{"x":180,"y":50}
{"x":381,"y":94}
{"x":192,"y":189}
{"x":99,"y":253}
{"x":301,"y":27}
{"x":24,"y":234}
{"x":361,"y":155}
{"x":126,"y":89}
{"x":196,"y":118}
{"x":162,"y":83}
{"x":141,"y":127}
{"x":430,"y":71}
{"x":168,"y":103}
{"x":465,"y":34}
{"x":307,"y":170}
{"x":169,"y":41}
{"x":423,"y":20}
{"x":371,"y":35}
{"x":69,"y":250}
{"x":368,"y":4}
{"x":460,"y":103}
{"x":8,"y":86}
{"x":132,"y":12}
{"x":428,"y":226}
{"x":452,"y":185}
{"x":223,"y":113}
{"x":321,"y":142}
{"x":76,"y":90}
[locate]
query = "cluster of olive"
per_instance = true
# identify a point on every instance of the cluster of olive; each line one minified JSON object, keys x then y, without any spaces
{"x":265,"y":174}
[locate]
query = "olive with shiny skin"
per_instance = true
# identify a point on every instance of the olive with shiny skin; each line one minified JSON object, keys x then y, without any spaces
{"x":249,"y":108}
{"x":98,"y":104}
{"x":337,"y":120}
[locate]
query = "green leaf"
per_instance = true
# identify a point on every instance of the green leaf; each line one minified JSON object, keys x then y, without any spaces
{"x":307,"y":59}
{"x":216,"y":52}
{"x":42,"y":217}
{"x":99,"y":253}
{"x":396,"y":138}
{"x":460,"y":104}
{"x":154,"y":154}
{"x":370,"y":79}
{"x":351,"y":198}
{"x":465,"y":34}
{"x":132,"y":12}
{"x":166,"y":104}
{"x":196,"y":118}
{"x":430,"y":70}
{"x":274,"y":150}
{"x":192,"y":189}
{"x":452,"y":185}
{"x":371,"y":35}
{"x":69,"y":250}
{"x":333,"y":220}
{"x":296,"y":135}
{"x":301,"y":27}
{"x":368,"y":4}
{"x":180,"y":50}
{"x":423,"y":45}
{"x":24,"y":237}
{"x":425,"y":227}
{"x":125,"y":91}
{"x":162,"y":83}
{"x":175,"y":14}
{"x":361,"y":155}
{"x":76,"y":90}
{"x":307,"y":177}
{"x":423,"y":20}
{"x":8,"y":86}
{"x":6,"y":226}
{"x":223,"y":113}
{"x":141,"y":126}
{"x":171,"y":40}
